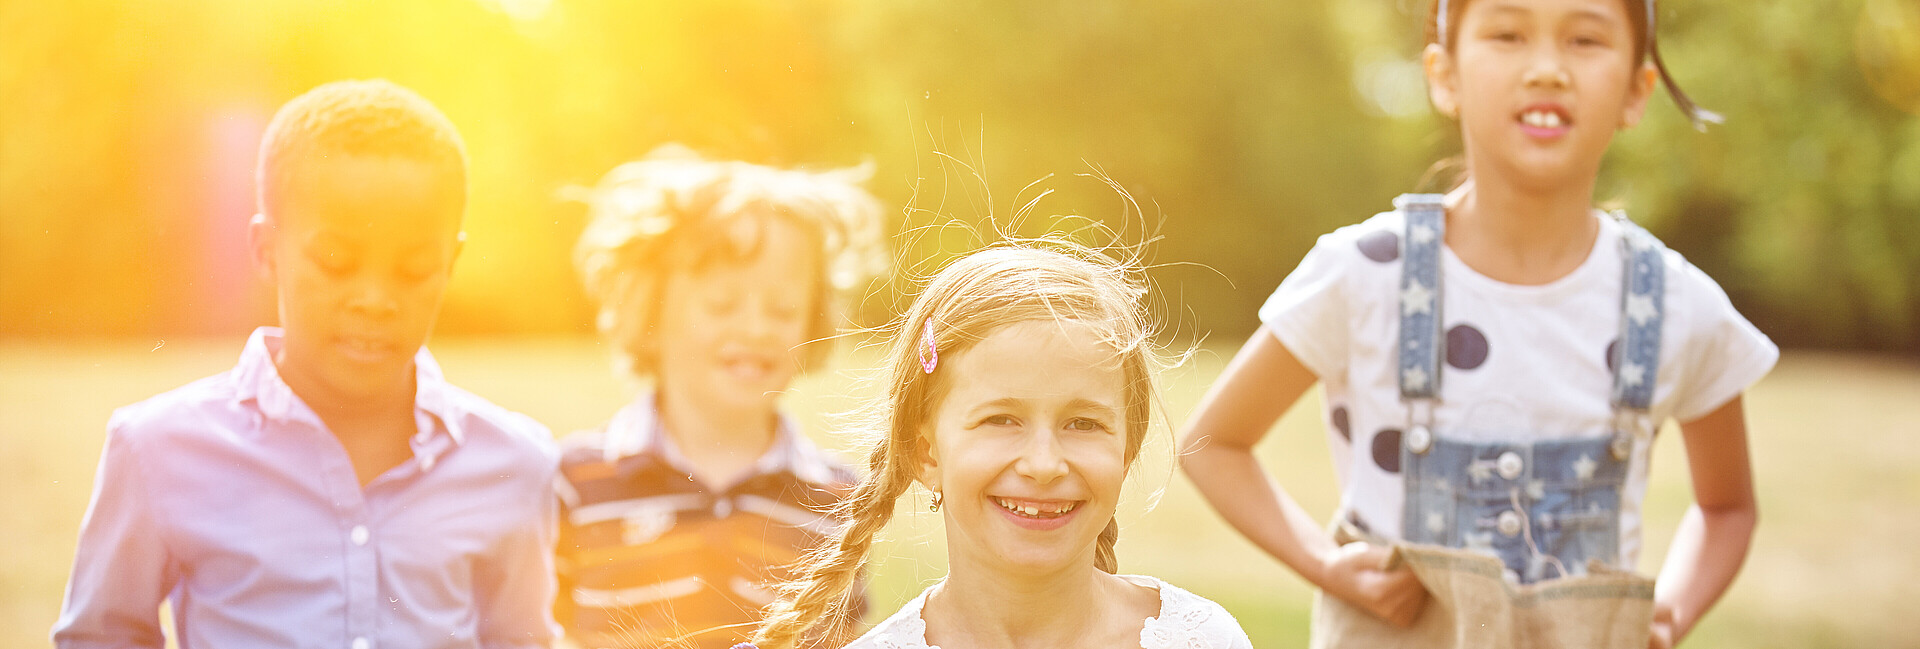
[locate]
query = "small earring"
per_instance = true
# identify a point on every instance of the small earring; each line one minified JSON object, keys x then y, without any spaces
{"x":934,"y":505}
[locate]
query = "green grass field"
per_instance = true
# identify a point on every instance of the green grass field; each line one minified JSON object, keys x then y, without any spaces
{"x":1834,"y":441}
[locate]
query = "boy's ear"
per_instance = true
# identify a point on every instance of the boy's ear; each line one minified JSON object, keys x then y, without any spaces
{"x":260,"y":247}
{"x":1438,"y":65}
{"x":1639,"y":91}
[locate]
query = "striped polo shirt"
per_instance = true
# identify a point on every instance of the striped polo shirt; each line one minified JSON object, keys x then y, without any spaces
{"x":649,"y":556}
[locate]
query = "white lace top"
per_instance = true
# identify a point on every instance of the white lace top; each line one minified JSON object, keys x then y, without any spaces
{"x":1186,"y":621}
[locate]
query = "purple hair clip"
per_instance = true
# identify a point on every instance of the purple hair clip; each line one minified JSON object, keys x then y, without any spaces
{"x":929,"y":355}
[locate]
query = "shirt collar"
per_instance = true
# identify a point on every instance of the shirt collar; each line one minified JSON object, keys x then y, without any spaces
{"x":637,"y":430}
{"x":257,"y":379}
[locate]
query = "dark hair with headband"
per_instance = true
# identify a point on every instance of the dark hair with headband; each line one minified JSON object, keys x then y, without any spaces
{"x":1443,"y":25}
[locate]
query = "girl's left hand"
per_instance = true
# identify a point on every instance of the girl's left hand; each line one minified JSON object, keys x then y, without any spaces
{"x":1662,"y":635}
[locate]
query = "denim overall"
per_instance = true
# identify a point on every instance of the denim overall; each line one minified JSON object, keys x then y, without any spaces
{"x":1545,"y":508}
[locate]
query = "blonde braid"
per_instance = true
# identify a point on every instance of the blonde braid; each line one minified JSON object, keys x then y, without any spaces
{"x":817,"y":596}
{"x":1103,"y":556}
{"x":965,"y":303}
{"x":813,"y":603}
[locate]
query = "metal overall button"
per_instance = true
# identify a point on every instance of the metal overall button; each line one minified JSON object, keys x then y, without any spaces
{"x":1510,"y":466}
{"x":1622,"y":445}
{"x":1628,"y":424}
{"x":1419,"y":439}
{"x":1508,"y":523}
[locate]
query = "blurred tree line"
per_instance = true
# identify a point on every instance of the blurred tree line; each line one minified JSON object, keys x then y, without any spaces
{"x":1245,"y":128}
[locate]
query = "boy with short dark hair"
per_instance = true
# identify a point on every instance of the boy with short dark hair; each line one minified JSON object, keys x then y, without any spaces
{"x":332,"y":490}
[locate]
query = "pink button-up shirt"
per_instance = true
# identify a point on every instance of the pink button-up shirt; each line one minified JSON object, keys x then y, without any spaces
{"x":231,"y":498}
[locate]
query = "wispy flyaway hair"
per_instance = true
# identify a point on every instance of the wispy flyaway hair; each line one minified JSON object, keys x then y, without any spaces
{"x":1044,"y":280}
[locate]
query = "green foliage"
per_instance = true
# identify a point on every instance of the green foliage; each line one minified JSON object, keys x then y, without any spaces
{"x":1806,"y":203}
{"x":1246,"y":127}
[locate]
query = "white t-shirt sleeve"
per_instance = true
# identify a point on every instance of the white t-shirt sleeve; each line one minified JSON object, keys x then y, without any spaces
{"x":1308,"y":312}
{"x":1724,"y":353}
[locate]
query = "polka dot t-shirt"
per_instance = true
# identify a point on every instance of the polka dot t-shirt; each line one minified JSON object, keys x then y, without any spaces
{"x":1522,"y":362}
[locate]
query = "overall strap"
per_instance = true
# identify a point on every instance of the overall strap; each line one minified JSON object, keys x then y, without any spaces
{"x":1421,"y":345}
{"x":1636,"y":358}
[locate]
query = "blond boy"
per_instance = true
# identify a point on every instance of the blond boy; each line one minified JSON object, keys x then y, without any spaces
{"x":717,"y":281}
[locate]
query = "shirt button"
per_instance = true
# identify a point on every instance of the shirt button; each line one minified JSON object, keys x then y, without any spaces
{"x":1510,"y":465}
{"x":362,"y":643}
{"x":359,"y":537}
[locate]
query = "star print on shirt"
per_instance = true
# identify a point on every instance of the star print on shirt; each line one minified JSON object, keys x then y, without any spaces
{"x":1640,"y":308}
{"x":1481,"y":542}
{"x":1583,"y":467}
{"x":1633,"y":373}
{"x":1421,"y":234}
{"x":1416,"y":298}
{"x":1416,"y":378}
{"x":1480,"y":470}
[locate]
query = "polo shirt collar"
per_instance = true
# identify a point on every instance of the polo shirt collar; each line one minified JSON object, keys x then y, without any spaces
{"x":637,"y":430}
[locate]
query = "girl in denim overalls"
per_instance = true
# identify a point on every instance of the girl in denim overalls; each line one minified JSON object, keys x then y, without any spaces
{"x":1496,"y":360}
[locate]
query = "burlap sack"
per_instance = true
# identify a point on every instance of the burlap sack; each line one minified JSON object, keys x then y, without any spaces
{"x":1472,"y":606}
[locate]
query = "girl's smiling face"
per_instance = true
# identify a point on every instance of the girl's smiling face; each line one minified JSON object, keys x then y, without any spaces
{"x":1540,"y":86}
{"x":1028,"y":446}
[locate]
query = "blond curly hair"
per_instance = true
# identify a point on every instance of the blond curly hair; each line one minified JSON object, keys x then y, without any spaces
{"x":675,"y":211}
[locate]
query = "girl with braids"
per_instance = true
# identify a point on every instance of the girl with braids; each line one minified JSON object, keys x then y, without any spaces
{"x":1019,"y":391}
{"x":1495,"y":362}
